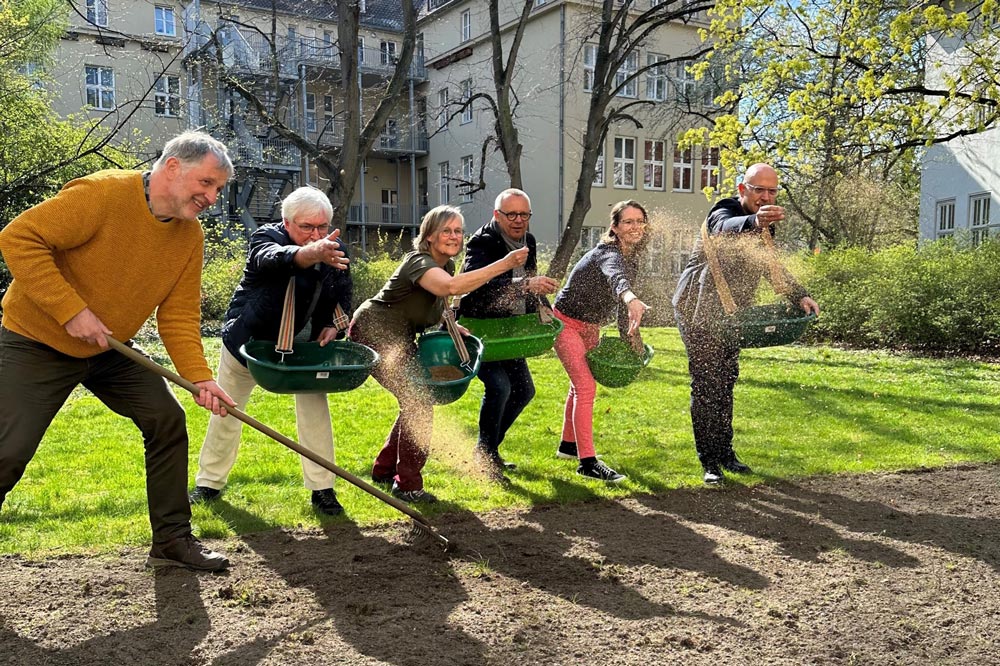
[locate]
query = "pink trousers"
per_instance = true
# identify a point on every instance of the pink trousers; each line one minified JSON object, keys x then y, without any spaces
{"x":575,"y":340}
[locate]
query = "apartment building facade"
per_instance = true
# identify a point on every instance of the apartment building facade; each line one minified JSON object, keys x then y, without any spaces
{"x":157,"y":68}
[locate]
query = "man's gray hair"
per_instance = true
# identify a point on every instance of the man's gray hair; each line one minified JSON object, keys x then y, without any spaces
{"x":306,"y":200}
{"x":510,"y":192}
{"x":191,"y":147}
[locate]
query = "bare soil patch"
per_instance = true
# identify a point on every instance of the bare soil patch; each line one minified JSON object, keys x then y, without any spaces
{"x":878,"y":569}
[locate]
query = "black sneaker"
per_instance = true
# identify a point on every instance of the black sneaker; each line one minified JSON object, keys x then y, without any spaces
{"x":188,"y":552}
{"x":566,"y":450}
{"x":325,"y":501}
{"x":492,"y":465}
{"x":713,"y":474}
{"x":202,"y":494}
{"x":419,"y":496}
{"x":734,"y":465}
{"x":598,"y":470}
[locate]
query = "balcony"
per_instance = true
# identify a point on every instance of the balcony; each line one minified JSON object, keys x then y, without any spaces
{"x":390,"y":143}
{"x":255,"y":153}
{"x":388,"y":216}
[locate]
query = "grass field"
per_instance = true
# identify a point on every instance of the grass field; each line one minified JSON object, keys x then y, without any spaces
{"x":799,"y":411}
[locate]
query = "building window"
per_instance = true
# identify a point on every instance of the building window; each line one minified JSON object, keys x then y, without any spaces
{"x":327,"y":44}
{"x":466,"y":25}
{"x":467,"y":167}
{"x":656,"y":78}
{"x":388,"y":53}
{"x":944,"y":213}
{"x":624,"y":169}
{"x":709,"y":167}
{"x":683,"y":170}
{"x":362,"y":6}
{"x":361,"y":50}
{"x":599,"y":168}
{"x":979,"y":217}
{"x":33,"y":72}
{"x":625,"y":76}
{"x":163,"y":19}
{"x":443,"y":108}
{"x":653,"y":166}
{"x":328,"y":114}
{"x":167,"y":96}
{"x":589,"y":63}
{"x":685,"y":87}
{"x":97,"y":12}
{"x":310,"y":112}
{"x":389,"y":136}
{"x":444,"y":173}
{"x":100,"y":87}
{"x":466,"y":96}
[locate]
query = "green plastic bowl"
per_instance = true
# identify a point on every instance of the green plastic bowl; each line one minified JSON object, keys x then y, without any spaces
{"x":437,"y":348}
{"x":339,"y":366}
{"x":520,"y":336}
{"x":767,"y":325}
{"x":613,"y":363}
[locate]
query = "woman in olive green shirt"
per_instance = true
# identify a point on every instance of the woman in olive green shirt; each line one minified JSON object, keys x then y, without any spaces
{"x":410,"y":301}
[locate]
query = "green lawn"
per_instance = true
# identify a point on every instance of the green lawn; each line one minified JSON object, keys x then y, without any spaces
{"x":799,"y":411}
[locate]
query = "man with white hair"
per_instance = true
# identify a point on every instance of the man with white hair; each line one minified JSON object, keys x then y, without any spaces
{"x":97,"y":260}
{"x":300,"y":246}
{"x":508,"y":383}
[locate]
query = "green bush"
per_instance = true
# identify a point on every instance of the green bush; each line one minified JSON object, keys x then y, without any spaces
{"x":224,"y":261}
{"x":939,"y":296}
{"x":369,"y":275}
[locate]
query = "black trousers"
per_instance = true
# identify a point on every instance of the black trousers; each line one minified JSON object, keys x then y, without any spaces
{"x":509,"y":389}
{"x":714,"y":365}
{"x":35,"y":381}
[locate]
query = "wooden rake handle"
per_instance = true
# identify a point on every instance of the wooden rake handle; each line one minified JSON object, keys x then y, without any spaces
{"x":282,"y":439}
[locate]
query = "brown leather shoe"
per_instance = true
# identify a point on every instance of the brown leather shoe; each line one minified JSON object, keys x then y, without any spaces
{"x":188,"y":552}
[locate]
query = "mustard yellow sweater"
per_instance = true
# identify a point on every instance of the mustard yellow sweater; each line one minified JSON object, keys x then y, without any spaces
{"x":96,"y":245}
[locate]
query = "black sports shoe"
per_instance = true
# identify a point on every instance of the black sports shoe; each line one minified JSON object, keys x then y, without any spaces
{"x":325,"y":501}
{"x":713,"y":474}
{"x":734,"y":465}
{"x":202,"y":494}
{"x":419,"y":496}
{"x":492,"y":465}
{"x":598,"y":470}
{"x":188,"y":552}
{"x":567,"y":450}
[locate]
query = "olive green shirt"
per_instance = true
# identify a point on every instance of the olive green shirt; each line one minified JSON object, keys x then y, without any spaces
{"x":402,"y":304}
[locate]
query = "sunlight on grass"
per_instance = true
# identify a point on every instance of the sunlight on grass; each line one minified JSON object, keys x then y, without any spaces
{"x":799,"y":411}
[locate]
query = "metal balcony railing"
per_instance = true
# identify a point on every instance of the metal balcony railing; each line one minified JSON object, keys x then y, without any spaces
{"x":392,"y":216}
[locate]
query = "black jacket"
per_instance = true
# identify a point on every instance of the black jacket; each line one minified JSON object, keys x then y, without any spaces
{"x":495,"y":298}
{"x":742,"y":258}
{"x":255,"y":309}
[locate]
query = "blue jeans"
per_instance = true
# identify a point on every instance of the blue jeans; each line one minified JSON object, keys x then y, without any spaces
{"x":508,"y":390}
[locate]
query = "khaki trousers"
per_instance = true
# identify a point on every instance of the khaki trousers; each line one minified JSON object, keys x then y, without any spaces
{"x":222,"y":440}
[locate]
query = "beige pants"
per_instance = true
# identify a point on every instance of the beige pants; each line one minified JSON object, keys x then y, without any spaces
{"x":222,"y":440}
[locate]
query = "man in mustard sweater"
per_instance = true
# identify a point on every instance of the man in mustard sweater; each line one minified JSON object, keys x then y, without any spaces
{"x":96,"y":260}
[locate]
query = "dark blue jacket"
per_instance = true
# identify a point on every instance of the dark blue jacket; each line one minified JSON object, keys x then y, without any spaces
{"x":593,"y":291}
{"x":494,"y":299}
{"x":255,"y":309}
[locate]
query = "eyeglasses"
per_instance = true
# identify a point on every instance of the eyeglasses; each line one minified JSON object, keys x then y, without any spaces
{"x":452,"y":232}
{"x":773,"y":191}
{"x":310,"y":228}
{"x":628,"y":223}
{"x":513,"y":215}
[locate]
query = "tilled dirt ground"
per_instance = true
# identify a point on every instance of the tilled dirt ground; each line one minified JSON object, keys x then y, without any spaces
{"x":882,"y":569}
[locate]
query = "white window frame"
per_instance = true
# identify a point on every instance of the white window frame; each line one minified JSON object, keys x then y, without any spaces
{"x":444,"y":184}
{"x":387,"y":52}
{"x":97,"y":87}
{"x":361,"y":50}
{"x":683,"y":170}
{"x":389,"y":136}
{"x":623,"y":173}
{"x":329,"y":121}
{"x":310,"y":112}
{"x":466,"y":96}
{"x":97,"y":12}
{"x":164,"y":21}
{"x":628,"y":69}
{"x":685,"y":87}
{"x":709,"y":167}
{"x":465,"y":23}
{"x":657,"y":78}
{"x":167,"y":96}
{"x":589,"y":64}
{"x":599,"y":168}
{"x":443,"y":108}
{"x":944,"y":218}
{"x":653,"y":167}
{"x":979,"y":217}
{"x":468,"y":166}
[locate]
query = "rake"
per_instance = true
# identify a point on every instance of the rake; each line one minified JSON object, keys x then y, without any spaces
{"x":421,"y":527}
